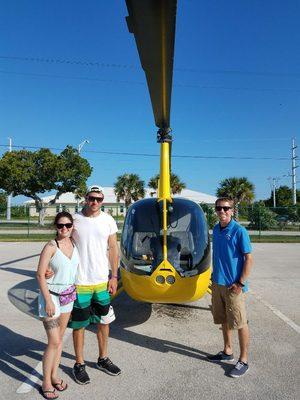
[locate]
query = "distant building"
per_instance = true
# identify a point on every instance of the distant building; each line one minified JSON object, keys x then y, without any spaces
{"x":68,"y":202}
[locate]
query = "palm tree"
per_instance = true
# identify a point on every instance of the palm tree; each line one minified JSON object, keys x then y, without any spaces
{"x":176,"y":185}
{"x":129,"y":187}
{"x":238,"y":189}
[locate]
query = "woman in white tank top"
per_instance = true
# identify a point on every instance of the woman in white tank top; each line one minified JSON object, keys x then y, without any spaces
{"x":62,"y":257}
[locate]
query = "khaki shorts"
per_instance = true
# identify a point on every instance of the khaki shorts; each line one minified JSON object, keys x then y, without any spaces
{"x":228,"y":307}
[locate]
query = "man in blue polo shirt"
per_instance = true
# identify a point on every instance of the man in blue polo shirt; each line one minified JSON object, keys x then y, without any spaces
{"x":232,"y":261}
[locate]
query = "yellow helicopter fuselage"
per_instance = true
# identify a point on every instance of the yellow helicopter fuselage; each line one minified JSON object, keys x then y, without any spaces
{"x":164,"y":283}
{"x":153,"y":290}
{"x":165,"y":244}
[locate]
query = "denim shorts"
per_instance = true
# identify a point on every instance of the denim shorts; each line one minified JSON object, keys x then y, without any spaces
{"x":58,"y":308}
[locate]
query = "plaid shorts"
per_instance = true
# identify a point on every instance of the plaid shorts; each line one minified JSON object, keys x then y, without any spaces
{"x":92,"y":305}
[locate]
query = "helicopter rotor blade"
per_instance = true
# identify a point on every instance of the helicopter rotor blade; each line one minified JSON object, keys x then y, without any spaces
{"x":153,"y":24}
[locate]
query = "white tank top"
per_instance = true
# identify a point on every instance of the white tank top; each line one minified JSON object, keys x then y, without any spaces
{"x":64,"y":268}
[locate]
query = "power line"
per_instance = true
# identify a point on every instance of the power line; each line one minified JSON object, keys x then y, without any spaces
{"x":101,"y":64}
{"x":34,"y":74}
{"x":85,"y":63}
{"x":193,"y":86}
{"x":237,"y":88}
{"x":157,"y":155}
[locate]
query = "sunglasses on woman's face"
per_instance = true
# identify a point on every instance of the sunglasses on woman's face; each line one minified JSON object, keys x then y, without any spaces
{"x":68,"y":225}
{"x":97,"y":199}
{"x":225,"y":208}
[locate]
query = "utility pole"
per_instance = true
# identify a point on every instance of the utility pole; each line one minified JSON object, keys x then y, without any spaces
{"x":294,"y":166}
{"x":273,"y":188}
{"x":8,"y":207}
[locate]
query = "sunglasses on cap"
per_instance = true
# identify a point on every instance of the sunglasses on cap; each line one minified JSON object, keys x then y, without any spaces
{"x":225,"y":208}
{"x":97,"y":199}
{"x":68,"y":225}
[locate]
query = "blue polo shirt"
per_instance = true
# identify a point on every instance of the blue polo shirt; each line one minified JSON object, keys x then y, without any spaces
{"x":230,"y":245}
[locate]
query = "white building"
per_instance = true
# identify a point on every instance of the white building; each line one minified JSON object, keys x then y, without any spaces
{"x":68,"y":202}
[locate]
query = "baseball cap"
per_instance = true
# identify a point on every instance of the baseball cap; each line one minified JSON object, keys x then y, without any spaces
{"x":94,"y":188}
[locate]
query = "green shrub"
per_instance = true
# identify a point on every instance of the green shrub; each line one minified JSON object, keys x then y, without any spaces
{"x":19,"y":212}
{"x":260,"y":217}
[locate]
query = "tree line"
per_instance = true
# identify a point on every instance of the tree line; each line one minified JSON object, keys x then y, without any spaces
{"x":260,"y":214}
{"x":130,"y":187}
{"x":32,"y":173}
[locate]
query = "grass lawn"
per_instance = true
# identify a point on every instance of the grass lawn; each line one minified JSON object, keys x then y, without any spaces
{"x":274,"y":239}
{"x":25,"y":227}
{"x":35,"y":237}
{"x":40,"y":237}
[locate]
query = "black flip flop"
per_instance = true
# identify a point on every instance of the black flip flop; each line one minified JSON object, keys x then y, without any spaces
{"x":44,"y":394}
{"x":56,"y":386}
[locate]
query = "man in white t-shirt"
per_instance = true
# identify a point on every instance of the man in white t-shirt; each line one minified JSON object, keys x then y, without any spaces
{"x":96,"y":240}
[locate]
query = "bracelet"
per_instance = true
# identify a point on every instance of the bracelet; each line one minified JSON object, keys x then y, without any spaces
{"x":240,"y":284}
{"x":114,"y":276}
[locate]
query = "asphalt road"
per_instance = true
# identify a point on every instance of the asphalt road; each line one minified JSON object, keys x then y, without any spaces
{"x":161,"y":349}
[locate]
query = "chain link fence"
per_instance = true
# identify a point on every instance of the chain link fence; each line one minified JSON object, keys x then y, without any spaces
{"x":261,"y":220}
{"x":24,"y":221}
{"x":257,"y":219}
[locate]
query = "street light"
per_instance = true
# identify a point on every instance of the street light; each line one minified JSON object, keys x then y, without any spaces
{"x":80,"y":146}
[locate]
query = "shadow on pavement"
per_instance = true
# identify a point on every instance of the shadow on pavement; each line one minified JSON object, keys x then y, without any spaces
{"x":20,"y":271}
{"x":24,"y":296}
{"x":14,"y":345}
{"x":129,"y":313}
{"x":19,"y":259}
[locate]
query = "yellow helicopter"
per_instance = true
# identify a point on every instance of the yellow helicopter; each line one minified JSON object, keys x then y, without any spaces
{"x":165,"y":247}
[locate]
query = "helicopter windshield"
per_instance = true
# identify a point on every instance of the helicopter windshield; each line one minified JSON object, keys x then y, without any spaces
{"x":188,"y":248}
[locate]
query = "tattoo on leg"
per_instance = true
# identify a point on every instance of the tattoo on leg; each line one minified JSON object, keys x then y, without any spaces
{"x":51,"y":323}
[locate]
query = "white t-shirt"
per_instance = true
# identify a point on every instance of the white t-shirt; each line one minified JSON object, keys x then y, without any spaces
{"x":91,"y":237}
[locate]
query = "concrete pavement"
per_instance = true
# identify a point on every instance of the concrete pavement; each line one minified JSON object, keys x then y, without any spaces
{"x":161,"y":349}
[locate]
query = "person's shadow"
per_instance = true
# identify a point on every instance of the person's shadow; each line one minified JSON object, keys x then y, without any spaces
{"x":129,"y":313}
{"x":12,"y":346}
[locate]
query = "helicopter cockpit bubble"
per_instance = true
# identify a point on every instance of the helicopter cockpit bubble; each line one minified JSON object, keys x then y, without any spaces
{"x":188,"y":246}
{"x":173,"y":251}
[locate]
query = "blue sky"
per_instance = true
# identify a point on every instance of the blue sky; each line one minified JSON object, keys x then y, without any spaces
{"x":69,"y":71}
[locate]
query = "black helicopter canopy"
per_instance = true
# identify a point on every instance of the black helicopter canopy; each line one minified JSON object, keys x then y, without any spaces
{"x":153,"y":24}
{"x":187,"y":237}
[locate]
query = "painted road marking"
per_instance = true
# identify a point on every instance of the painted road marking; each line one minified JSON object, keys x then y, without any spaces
{"x":31,"y":381}
{"x":278,"y":313}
